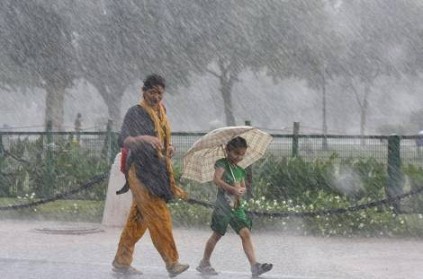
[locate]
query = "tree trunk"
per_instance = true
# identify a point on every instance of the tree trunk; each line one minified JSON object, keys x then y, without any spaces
{"x":113,"y":99}
{"x":325,"y":125}
{"x":54,"y":106}
{"x":114,"y":112}
{"x":363,"y":113}
{"x":226,"y":91}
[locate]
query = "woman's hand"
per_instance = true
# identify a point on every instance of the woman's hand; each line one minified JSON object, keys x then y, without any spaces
{"x":134,"y":142}
{"x":153,"y":141}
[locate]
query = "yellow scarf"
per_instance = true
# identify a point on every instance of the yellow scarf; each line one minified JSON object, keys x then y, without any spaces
{"x":162,"y":131}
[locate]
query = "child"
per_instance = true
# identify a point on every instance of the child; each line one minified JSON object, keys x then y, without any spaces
{"x":230,"y":180}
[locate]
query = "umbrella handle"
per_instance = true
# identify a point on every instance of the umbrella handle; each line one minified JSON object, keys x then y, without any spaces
{"x":224,"y":151}
{"x":230,"y":169}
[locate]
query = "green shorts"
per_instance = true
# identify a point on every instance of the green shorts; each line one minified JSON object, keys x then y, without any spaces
{"x":236,"y":218}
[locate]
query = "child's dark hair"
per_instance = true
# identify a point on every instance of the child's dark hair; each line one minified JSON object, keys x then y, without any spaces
{"x":153,"y":80}
{"x":238,"y":142}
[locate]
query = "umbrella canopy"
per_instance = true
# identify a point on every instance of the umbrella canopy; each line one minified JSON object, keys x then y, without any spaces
{"x":198,"y":162}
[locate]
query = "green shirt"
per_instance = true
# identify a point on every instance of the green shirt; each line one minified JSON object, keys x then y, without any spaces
{"x":238,"y":173}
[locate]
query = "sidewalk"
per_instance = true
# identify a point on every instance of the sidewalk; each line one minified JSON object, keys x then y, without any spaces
{"x":51,"y":250}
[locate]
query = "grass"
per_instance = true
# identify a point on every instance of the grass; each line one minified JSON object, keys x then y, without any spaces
{"x":197,"y":216}
{"x":414,"y":224}
{"x":60,"y":210}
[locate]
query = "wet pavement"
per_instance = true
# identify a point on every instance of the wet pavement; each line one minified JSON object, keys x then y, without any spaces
{"x":51,"y":250}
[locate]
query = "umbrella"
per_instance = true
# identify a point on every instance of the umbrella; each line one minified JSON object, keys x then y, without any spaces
{"x":198,"y":162}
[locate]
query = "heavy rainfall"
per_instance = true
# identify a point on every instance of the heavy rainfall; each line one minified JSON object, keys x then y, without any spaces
{"x":333,"y":86}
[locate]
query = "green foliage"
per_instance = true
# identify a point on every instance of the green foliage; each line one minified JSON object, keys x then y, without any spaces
{"x":290,"y":178}
{"x":370,"y":177}
{"x":373,"y":221}
{"x":300,"y":180}
{"x":184,"y":214}
{"x":280,"y":185}
{"x":293,"y":185}
{"x":28,"y":170}
{"x":415,"y":177}
{"x":205,"y":191}
{"x":370,"y":222}
{"x":74,"y":166}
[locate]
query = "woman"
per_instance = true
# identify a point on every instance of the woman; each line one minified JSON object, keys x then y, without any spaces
{"x":145,"y":133}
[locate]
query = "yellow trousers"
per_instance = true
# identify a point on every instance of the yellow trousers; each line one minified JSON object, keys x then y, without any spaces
{"x":147,"y":212}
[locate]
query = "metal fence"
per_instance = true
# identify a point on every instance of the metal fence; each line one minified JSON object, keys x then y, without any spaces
{"x":311,"y":147}
{"x":20,"y":148}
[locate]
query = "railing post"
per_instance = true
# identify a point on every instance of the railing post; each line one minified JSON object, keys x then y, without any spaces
{"x":395,"y":178}
{"x":4,"y":187}
{"x":1,"y":147}
{"x":109,"y":142}
{"x":48,"y":188}
{"x":296,"y":131}
{"x":249,"y":171}
{"x":325,"y":142}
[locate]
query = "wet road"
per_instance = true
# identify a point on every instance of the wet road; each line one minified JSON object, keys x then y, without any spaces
{"x":50,"y":250}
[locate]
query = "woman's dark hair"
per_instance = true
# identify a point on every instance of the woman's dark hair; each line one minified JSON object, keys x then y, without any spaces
{"x":238,"y":142}
{"x":153,"y":80}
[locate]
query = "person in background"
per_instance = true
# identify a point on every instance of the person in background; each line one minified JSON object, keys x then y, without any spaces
{"x":230,"y":181}
{"x":146,"y":134}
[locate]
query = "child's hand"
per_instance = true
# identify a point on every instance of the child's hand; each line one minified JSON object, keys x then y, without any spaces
{"x":239,"y":191}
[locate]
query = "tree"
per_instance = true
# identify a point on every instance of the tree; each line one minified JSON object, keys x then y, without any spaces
{"x":37,"y":47}
{"x":266,"y":36}
{"x":128,"y":40}
{"x":177,"y":38}
{"x":312,"y":48}
{"x":379,"y":36}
